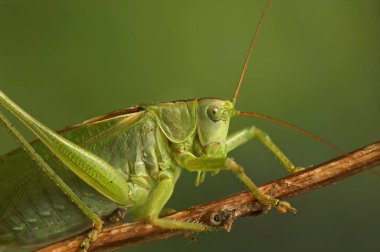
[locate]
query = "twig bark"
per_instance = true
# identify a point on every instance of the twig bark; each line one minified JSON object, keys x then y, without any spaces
{"x":231,"y":207}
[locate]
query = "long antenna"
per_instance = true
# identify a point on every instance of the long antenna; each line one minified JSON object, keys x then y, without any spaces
{"x":319,"y":139}
{"x":250,"y":50}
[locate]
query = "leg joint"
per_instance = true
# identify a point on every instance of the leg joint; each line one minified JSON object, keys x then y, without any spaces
{"x":233,"y":166}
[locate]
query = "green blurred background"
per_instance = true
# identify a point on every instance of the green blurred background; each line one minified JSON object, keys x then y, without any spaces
{"x":316,"y":65}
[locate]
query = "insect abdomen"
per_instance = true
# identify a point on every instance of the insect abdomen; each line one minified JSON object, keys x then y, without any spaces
{"x":41,"y":219}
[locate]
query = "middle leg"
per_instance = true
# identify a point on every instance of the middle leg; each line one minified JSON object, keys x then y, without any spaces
{"x":160,"y":195}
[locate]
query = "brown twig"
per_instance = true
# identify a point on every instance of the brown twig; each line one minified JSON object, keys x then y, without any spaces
{"x":229,"y":208}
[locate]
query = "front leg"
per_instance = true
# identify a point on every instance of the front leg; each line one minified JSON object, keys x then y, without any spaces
{"x":192,"y":163}
{"x":159,"y":196}
{"x":242,"y":136}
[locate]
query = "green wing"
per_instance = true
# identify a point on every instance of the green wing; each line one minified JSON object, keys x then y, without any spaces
{"x":17,"y":169}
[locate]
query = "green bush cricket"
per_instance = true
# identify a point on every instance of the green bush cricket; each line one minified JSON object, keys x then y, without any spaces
{"x":158,"y":140}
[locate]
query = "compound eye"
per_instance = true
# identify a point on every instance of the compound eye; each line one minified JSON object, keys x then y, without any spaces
{"x":214,"y":113}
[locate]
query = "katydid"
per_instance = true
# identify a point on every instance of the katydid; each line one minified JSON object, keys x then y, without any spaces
{"x":129,"y":159}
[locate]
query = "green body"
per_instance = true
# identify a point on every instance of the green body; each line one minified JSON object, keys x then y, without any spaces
{"x":67,"y":182}
{"x":128,"y":159}
{"x":136,"y":142}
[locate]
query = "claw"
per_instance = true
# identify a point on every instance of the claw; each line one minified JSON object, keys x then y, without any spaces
{"x":84,"y":245}
{"x":284,"y":206}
